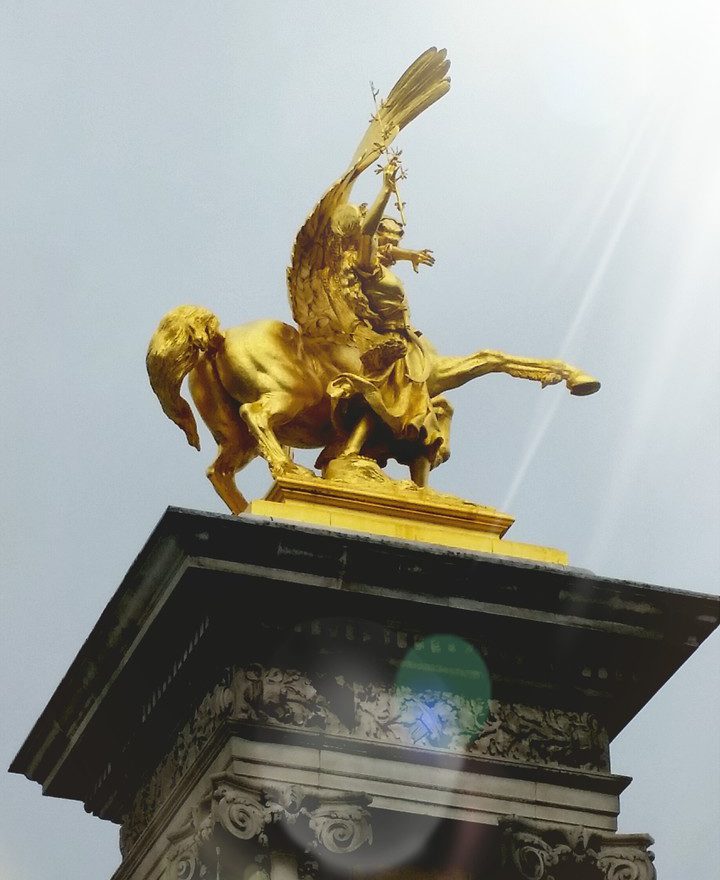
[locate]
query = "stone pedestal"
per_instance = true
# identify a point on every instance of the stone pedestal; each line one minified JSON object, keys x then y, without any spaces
{"x":266,"y":700}
{"x":396,"y":509}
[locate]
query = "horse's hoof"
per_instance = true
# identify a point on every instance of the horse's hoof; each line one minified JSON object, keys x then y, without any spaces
{"x":293,"y":470}
{"x":581,"y":385}
{"x":356,"y":469}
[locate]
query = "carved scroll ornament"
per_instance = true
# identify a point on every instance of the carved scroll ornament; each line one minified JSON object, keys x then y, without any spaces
{"x":375,"y":712}
{"x":240,"y":811}
{"x":342,"y":826}
{"x":544,"y":851}
{"x":246,"y":810}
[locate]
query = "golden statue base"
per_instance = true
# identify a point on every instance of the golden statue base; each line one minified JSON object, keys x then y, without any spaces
{"x":396,"y":509}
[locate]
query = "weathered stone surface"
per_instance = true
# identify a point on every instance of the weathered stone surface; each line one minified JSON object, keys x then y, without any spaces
{"x":544,"y":851}
{"x":236,"y":811}
{"x":244,"y":679}
{"x":378,"y":713}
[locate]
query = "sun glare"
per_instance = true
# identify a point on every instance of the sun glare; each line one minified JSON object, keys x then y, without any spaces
{"x":607,"y":65}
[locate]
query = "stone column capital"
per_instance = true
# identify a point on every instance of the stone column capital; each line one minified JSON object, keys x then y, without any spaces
{"x":533,"y":850}
{"x":340,"y":824}
{"x":245,"y":809}
{"x":239,"y":808}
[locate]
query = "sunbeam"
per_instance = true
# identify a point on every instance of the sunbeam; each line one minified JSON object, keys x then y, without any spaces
{"x":678,"y":338}
{"x":543,"y":422}
{"x":558,"y":253}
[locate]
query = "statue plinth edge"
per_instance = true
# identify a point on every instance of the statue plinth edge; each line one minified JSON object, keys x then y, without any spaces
{"x":398,"y":509}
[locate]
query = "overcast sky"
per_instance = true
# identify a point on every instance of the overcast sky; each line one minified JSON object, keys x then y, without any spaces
{"x":158,"y":153}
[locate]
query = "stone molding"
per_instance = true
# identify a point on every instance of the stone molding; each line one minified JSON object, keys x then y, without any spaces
{"x":373,"y":712}
{"x":544,"y":851}
{"x":237,"y":808}
{"x":426,"y":719}
{"x":209,"y":717}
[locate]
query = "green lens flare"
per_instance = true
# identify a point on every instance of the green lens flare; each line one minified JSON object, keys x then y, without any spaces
{"x":445,"y":685}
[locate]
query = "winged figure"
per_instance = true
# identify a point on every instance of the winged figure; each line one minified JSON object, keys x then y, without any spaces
{"x":324,"y":294}
{"x":355,"y":378}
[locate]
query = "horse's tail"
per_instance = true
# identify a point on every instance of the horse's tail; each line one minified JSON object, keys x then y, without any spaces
{"x":175,"y":348}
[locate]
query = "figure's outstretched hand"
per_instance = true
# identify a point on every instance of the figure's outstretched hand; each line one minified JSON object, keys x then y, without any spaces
{"x":422,"y":258}
{"x":390,"y":173}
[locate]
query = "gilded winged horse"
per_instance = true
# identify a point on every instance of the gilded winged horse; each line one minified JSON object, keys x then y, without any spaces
{"x":350,"y":379}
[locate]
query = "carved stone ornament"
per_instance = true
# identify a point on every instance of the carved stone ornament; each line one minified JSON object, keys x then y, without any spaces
{"x":210,"y":714}
{"x":341,"y":827}
{"x":371,"y":711}
{"x":542,"y":736}
{"x":628,"y":859}
{"x":426,"y":719}
{"x":240,"y":808}
{"x":543,"y":851}
{"x":184,"y":854}
{"x":235,"y":806}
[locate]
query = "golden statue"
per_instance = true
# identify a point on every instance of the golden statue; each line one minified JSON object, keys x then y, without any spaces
{"x":355,"y":379}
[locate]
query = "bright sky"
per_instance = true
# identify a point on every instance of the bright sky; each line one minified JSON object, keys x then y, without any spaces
{"x":161,"y":153}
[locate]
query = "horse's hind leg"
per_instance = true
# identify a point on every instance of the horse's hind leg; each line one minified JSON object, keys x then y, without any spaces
{"x":236,"y":447}
{"x":421,"y":466}
{"x":233,"y":454}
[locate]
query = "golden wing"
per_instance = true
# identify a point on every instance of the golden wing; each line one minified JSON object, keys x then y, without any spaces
{"x":317,"y":277}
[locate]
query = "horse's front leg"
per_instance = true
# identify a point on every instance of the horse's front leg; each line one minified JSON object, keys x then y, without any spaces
{"x":452,"y":372}
{"x":448,"y":372}
{"x":547,"y":372}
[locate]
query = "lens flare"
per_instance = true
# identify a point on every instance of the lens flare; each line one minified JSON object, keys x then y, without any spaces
{"x":447,"y":684}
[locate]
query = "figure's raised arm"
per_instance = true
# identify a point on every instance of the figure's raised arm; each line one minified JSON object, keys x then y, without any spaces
{"x":316,"y":256}
{"x":375,"y":212}
{"x":367,"y":256}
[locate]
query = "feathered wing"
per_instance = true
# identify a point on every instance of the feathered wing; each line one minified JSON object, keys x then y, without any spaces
{"x":422,"y":84}
{"x":320,"y":303}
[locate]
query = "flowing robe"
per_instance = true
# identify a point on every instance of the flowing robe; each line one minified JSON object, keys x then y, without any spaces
{"x":397,"y":393}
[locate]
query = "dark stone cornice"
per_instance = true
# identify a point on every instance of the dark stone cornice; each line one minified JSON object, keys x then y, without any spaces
{"x":558,"y":636}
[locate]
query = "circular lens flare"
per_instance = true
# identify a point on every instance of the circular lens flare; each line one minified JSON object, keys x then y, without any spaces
{"x":444,"y":685}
